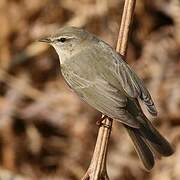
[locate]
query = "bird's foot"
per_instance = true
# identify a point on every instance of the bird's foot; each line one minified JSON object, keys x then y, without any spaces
{"x":101,"y":123}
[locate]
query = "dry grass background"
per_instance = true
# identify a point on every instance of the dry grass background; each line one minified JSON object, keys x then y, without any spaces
{"x":46,"y":132}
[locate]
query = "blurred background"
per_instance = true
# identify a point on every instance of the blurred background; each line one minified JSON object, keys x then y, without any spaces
{"x":46,"y":132}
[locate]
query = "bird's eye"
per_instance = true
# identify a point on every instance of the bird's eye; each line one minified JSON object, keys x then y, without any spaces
{"x":61,"y":40}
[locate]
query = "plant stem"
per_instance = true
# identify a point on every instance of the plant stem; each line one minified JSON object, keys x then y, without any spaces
{"x":97,"y":169}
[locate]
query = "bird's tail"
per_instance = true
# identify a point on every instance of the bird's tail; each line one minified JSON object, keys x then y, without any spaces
{"x":147,"y":141}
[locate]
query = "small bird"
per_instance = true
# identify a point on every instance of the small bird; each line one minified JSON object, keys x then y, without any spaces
{"x":100,"y":76}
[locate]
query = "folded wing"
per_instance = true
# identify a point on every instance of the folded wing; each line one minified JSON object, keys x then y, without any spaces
{"x":132,"y":84}
{"x":101,"y":95}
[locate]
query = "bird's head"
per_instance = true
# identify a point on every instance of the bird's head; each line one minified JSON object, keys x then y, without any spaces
{"x":67,"y":41}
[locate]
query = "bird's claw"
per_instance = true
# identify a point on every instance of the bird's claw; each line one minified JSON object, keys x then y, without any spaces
{"x":100,"y":122}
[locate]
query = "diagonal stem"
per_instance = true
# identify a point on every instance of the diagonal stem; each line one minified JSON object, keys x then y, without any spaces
{"x":97,"y":169}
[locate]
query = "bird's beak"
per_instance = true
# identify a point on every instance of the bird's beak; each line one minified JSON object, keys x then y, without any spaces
{"x":46,"y":40}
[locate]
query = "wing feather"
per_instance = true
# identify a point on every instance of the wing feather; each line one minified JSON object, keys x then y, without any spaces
{"x":133,"y":85}
{"x":129,"y":81}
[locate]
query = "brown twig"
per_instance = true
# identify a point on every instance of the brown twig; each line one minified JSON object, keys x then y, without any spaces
{"x":127,"y":16}
{"x":97,"y":169}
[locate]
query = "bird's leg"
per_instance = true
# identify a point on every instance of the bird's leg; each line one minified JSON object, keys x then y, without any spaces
{"x":100,"y":121}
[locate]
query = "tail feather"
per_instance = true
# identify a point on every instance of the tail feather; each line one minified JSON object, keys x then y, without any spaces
{"x":147,"y":140}
{"x":157,"y":141}
{"x":141,"y":147}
